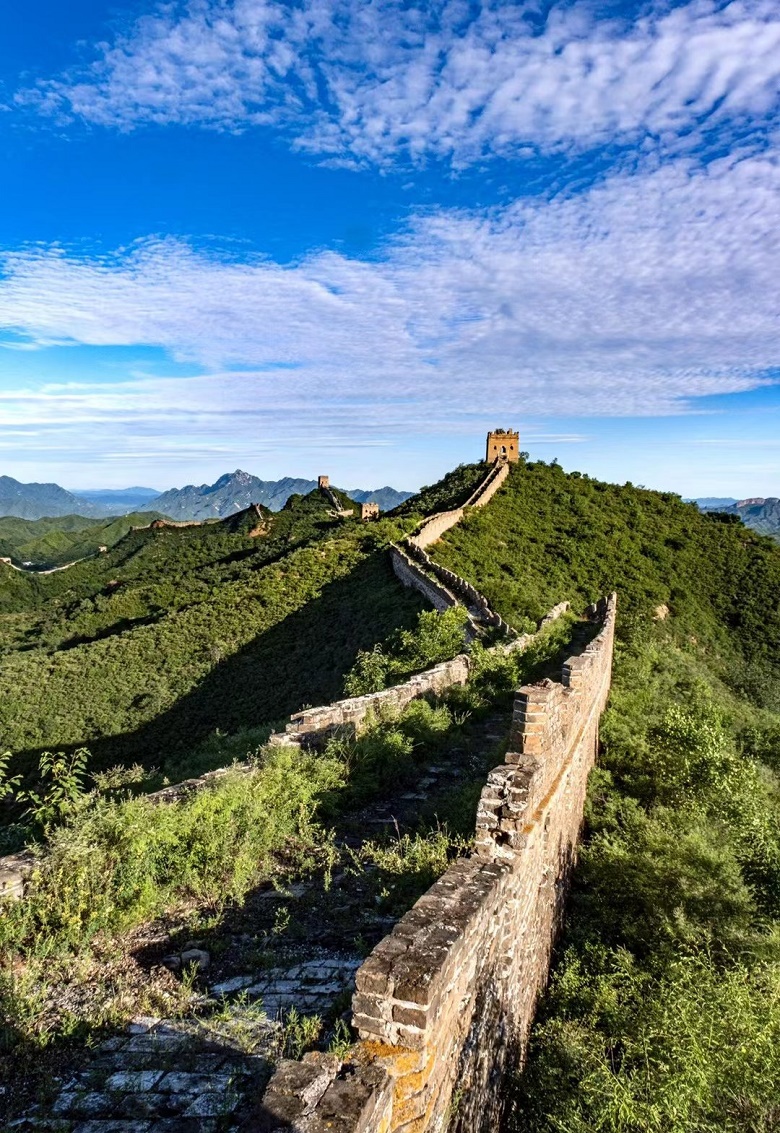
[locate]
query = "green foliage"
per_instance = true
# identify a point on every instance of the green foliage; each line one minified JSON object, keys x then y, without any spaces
{"x":410,"y":864}
{"x":664,"y":1006}
{"x":436,"y":637}
{"x":299,"y":1033}
{"x":62,"y":784}
{"x":450,"y":492}
{"x":548,"y":536}
{"x":116,"y":862}
{"x":140,"y":654}
{"x":694,"y":1049}
{"x":52,"y":542}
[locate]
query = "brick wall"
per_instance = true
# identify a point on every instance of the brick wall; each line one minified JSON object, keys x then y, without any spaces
{"x":444,"y":1004}
{"x":410,"y":574}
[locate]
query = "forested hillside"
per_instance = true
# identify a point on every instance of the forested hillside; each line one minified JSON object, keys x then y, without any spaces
{"x":44,"y":543}
{"x":144,"y":652}
{"x":180,"y":646}
{"x":549,"y":535}
{"x":663,"y":1012}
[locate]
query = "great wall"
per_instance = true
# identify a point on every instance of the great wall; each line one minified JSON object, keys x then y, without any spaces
{"x":445,"y":1002}
{"x":443,"y":1005}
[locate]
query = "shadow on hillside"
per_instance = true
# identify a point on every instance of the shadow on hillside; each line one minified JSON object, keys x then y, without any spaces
{"x":299,"y":661}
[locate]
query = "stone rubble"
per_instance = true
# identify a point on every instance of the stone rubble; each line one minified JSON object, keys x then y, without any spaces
{"x":192,"y":1075}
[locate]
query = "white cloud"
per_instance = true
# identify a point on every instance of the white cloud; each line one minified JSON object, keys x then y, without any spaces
{"x":378,"y":80}
{"x":634,"y":298}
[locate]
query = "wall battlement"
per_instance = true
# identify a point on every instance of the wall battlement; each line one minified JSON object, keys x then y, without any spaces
{"x":444,"y":1004}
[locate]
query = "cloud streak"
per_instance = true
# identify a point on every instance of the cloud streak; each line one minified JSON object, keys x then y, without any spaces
{"x":634,"y":298}
{"x":381,"y":81}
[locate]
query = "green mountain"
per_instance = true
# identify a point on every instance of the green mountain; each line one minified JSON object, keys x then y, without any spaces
{"x":180,"y":646}
{"x":176,"y":632}
{"x":51,"y":542}
{"x":548,"y":535}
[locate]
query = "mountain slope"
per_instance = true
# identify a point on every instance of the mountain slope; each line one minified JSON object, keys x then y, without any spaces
{"x":230,"y":493}
{"x":33,"y":501}
{"x":387,"y":498}
{"x":237,"y":490}
{"x":547,"y":536}
{"x":762,"y":515}
{"x":53,"y":541}
{"x":177,"y":632}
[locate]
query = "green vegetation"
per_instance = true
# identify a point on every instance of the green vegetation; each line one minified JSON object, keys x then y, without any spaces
{"x":663,"y":1014}
{"x":54,"y":541}
{"x":113,"y":862}
{"x":436,"y":637}
{"x":450,"y":492}
{"x":549,"y":536}
{"x":178,"y":648}
{"x":142,"y":654}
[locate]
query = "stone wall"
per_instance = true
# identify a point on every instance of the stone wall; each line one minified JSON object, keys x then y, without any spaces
{"x":453,"y":584}
{"x":425,"y":574}
{"x":410,"y":574}
{"x":313,"y":725}
{"x":435,"y":525}
{"x":444,"y":1004}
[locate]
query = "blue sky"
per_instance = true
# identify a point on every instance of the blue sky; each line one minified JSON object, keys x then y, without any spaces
{"x":343,"y":237}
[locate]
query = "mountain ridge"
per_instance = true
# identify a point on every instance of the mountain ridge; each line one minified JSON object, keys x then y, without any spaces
{"x":760,"y":513}
{"x":230,"y":493}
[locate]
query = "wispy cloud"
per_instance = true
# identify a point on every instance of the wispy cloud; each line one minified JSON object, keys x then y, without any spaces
{"x":380,"y":81}
{"x":634,"y":298}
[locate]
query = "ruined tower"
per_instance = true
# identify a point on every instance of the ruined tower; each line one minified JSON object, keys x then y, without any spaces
{"x":503,"y":444}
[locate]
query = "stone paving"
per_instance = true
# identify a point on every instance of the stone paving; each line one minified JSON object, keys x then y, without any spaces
{"x":207,"y":1072}
{"x":198,"y":1074}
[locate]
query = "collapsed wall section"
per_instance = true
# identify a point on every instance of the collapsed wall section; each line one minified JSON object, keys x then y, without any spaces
{"x":444,"y":1004}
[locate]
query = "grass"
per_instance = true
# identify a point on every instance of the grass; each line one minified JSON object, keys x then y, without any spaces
{"x":663,"y":1012}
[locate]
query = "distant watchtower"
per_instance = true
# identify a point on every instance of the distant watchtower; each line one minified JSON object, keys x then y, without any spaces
{"x":323,"y":482}
{"x":503,"y":445}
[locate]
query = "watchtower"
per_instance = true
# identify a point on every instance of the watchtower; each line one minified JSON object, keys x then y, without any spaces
{"x":503,"y":445}
{"x":369,"y":512}
{"x":323,"y":482}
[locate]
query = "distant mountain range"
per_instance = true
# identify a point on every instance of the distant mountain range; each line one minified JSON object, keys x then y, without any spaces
{"x":230,"y":493}
{"x":34,"y":501}
{"x":714,"y":503}
{"x":760,"y":513}
{"x":237,"y":490}
{"x":119,"y":501}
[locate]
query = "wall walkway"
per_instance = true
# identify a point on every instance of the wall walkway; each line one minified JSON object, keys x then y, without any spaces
{"x":444,"y":1003}
{"x":414,"y":567}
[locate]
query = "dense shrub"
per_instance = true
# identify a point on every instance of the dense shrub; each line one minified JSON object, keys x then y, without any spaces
{"x":664,"y":1006}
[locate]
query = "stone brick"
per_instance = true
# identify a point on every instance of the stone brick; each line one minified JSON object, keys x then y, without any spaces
{"x":455,"y":985}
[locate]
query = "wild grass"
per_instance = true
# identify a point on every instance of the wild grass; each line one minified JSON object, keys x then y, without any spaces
{"x":663,"y":1012}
